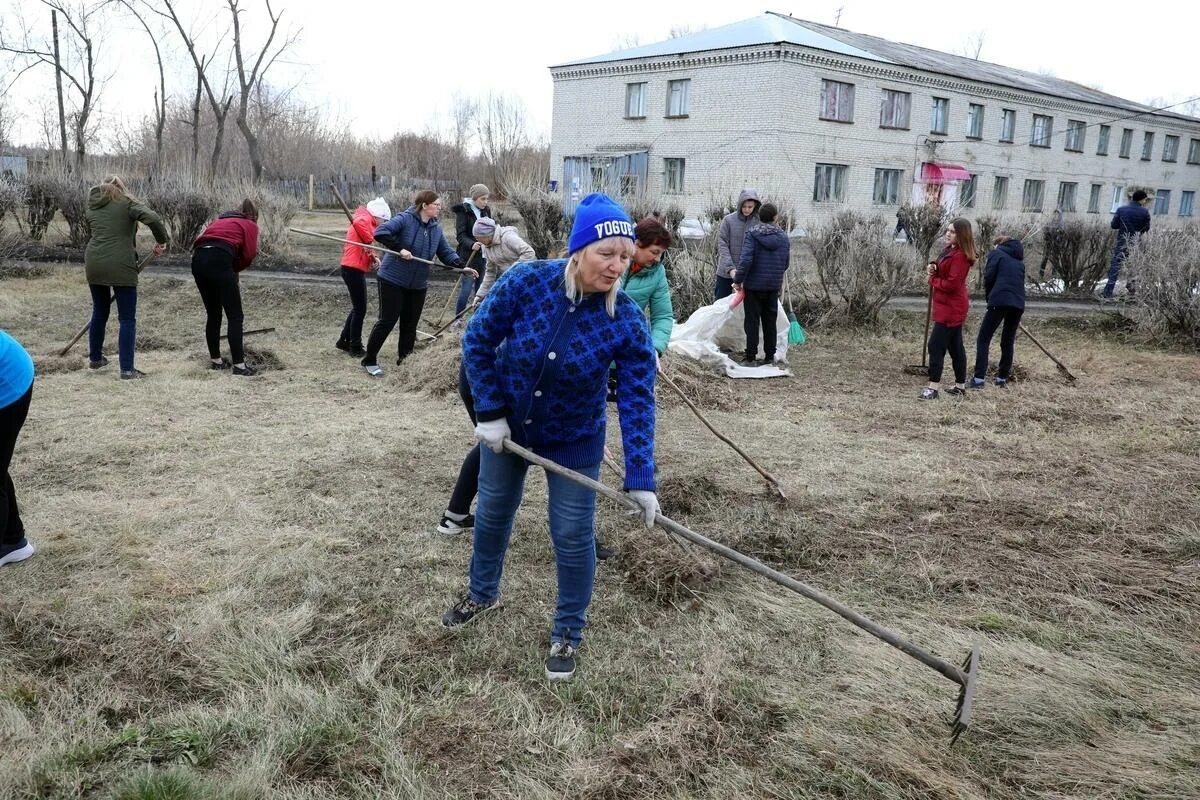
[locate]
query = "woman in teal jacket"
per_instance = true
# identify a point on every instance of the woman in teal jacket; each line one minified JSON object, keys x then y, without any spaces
{"x":646,"y":280}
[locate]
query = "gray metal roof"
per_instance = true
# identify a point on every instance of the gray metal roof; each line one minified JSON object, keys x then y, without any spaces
{"x":774,"y":28}
{"x":763,"y":29}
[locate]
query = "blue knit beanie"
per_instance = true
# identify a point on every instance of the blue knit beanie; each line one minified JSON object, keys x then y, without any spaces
{"x":597,"y":217}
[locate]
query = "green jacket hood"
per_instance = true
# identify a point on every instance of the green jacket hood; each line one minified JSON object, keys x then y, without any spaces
{"x":97,"y":197}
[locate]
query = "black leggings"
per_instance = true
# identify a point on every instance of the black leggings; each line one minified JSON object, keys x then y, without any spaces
{"x":940,"y":340}
{"x":1011,"y":317}
{"x":212,"y":267}
{"x":396,"y":305}
{"x":356,"y":284}
{"x":467,"y":485}
{"x":12,"y":417}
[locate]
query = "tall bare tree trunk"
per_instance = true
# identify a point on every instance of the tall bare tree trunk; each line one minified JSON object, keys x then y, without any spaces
{"x":58,"y":71}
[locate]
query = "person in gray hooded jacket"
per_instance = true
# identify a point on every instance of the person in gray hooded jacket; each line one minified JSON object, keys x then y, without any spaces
{"x":729,"y":240}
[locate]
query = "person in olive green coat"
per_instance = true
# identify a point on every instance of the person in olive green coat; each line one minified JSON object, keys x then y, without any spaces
{"x":111,"y":266}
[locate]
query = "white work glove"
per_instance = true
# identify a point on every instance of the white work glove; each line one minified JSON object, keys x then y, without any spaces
{"x":493,"y":433}
{"x":649,"y":505}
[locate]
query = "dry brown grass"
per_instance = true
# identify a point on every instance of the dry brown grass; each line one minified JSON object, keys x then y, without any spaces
{"x":237,"y":587}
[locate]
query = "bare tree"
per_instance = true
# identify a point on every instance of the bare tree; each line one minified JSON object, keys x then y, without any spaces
{"x":160,"y":94}
{"x":77,"y":66}
{"x":502,"y":132}
{"x":220,"y":106}
{"x":972,"y":46}
{"x":249,"y":81}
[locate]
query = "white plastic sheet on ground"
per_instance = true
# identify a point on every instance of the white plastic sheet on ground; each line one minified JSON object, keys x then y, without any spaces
{"x":715,"y":327}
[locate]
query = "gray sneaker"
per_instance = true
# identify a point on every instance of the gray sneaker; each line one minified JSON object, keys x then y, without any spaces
{"x":466,"y":610}
{"x":560,"y":664}
{"x":133,"y":374}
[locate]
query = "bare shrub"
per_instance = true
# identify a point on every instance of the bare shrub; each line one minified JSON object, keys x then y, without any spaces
{"x":71,"y":197}
{"x":690,"y":276}
{"x":1080,"y":250}
{"x":275,"y":214}
{"x":859,"y":266}
{"x":41,"y":204}
{"x":1165,"y":267}
{"x":925,"y":224}
{"x":546,"y":225}
{"x":667,"y":210}
{"x":185,"y":208}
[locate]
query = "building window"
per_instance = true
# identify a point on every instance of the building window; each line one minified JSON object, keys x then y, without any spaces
{"x":887,"y":186}
{"x":1066,"y":196}
{"x":1170,"y":148}
{"x":967,"y":194}
{"x":1043,"y":127}
{"x":1094,"y":199}
{"x":677,"y":97}
{"x":1147,"y":145}
{"x":1194,"y":152}
{"x":1162,"y":201}
{"x":1186,"y":201}
{"x":893,"y":109}
{"x":1118,"y":196}
{"x":1031,"y":199}
{"x":635,"y":100}
{"x":837,"y":101}
{"x":1102,"y":143}
{"x":829,"y":184}
{"x":1126,"y":142}
{"x":1000,"y":194}
{"x":1008,"y":125}
{"x":673,"y":175}
{"x":974,"y":121}
{"x":939,"y":120}
{"x":1076,"y":131}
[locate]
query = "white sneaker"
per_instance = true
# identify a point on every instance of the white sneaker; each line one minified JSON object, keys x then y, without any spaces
{"x":374,"y":370}
{"x":18,"y":552}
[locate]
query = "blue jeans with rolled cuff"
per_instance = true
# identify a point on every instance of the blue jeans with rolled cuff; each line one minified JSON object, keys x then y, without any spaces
{"x":572,"y":512}
{"x":102,"y":300}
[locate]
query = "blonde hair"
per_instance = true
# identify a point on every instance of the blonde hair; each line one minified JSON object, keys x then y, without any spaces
{"x":113,"y":187}
{"x":571,"y":274}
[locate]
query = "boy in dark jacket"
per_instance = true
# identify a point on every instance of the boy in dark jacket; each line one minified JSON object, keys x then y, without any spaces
{"x":1004,"y":284}
{"x":1130,"y":220}
{"x":764,"y":259}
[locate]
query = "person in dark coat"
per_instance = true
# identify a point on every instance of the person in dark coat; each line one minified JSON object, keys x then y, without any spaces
{"x":1004,"y":286}
{"x":1130,"y":220}
{"x":765,"y":255}
{"x":414,"y":233}
{"x":473,"y":208}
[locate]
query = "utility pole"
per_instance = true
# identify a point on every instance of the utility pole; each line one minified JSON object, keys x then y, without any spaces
{"x":62,"y":116}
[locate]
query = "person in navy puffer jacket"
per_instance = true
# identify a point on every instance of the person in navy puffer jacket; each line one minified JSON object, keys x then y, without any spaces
{"x":537,"y":354}
{"x":764,"y":260}
{"x":1130,"y":220}
{"x":403,"y":281}
{"x":1004,"y":284}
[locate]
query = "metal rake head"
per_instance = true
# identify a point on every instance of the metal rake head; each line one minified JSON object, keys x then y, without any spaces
{"x":966,"y":695}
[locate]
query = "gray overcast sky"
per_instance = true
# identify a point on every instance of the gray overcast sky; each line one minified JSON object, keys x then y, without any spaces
{"x":385,"y":67}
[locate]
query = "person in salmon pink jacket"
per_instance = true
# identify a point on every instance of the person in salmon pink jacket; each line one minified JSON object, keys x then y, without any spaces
{"x":356,"y":263}
{"x":948,"y":287}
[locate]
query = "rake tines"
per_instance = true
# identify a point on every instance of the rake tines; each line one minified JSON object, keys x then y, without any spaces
{"x":966,"y":696}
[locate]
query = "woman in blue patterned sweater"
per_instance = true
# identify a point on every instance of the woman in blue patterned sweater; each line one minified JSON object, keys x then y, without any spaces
{"x":537,"y":354}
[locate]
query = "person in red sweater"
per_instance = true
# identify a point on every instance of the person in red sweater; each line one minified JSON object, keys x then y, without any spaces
{"x":223,"y":249}
{"x":356,"y":263}
{"x":948,"y":284}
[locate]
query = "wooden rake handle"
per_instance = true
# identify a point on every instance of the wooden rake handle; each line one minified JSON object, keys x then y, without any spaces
{"x":1061,"y":366}
{"x":946,"y":669}
{"x":373,"y":247}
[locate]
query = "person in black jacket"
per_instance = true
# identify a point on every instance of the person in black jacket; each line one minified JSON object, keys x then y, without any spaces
{"x":766,"y":253}
{"x":1130,"y":220}
{"x":1004,"y":283}
{"x":473,"y":208}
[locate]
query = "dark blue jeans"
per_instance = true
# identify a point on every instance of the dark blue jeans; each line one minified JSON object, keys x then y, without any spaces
{"x":1011,"y":317}
{"x":572,"y":514}
{"x":722,"y":288}
{"x":467,"y":287}
{"x":1114,"y":269}
{"x":102,"y":297}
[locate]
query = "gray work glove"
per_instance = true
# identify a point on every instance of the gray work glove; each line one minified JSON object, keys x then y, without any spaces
{"x":493,"y":433}
{"x":648,"y":501}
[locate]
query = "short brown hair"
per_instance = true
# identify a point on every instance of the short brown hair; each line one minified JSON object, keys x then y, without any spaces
{"x":424,"y":198}
{"x":650,"y":232}
{"x":249,"y":210}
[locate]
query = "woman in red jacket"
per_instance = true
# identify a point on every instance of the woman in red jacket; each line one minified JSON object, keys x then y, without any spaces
{"x":356,"y":263}
{"x":226,"y":247}
{"x":948,"y":283}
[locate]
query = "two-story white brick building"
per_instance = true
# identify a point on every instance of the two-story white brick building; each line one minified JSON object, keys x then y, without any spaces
{"x":820,"y":119}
